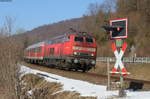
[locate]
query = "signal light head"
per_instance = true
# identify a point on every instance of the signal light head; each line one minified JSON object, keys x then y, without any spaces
{"x":120,"y":28}
{"x":113,"y":28}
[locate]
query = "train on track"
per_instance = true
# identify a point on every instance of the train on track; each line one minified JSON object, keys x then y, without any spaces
{"x":72,"y":51}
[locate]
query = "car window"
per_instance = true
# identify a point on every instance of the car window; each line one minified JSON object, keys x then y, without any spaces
{"x":80,"y":39}
{"x":89,"y":40}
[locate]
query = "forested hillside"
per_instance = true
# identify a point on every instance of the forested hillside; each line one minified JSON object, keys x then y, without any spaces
{"x":47,"y":31}
{"x":97,"y":15}
{"x":137,"y":11}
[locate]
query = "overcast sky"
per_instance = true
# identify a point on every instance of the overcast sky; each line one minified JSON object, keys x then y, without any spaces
{"x":33,"y":13}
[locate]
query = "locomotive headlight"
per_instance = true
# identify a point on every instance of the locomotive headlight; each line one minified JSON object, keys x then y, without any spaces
{"x":75,"y":53}
{"x":92,"y":54}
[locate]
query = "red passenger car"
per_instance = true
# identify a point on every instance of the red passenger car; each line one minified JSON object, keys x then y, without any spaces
{"x":72,"y":51}
{"x":35,"y":52}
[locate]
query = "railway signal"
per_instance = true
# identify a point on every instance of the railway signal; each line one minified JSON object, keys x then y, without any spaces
{"x":118,"y":32}
{"x":114,"y":29}
{"x":118,"y":35}
{"x":121,"y":30}
{"x":118,"y":28}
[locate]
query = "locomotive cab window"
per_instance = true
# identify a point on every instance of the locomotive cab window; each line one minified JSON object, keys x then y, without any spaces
{"x":89,"y":40}
{"x":78,"y":39}
{"x":68,"y":38}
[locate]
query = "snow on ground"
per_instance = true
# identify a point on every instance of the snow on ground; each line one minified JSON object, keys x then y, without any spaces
{"x":83,"y":87}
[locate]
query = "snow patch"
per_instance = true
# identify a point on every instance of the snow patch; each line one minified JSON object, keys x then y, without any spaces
{"x":83,"y":87}
{"x":29,"y":92}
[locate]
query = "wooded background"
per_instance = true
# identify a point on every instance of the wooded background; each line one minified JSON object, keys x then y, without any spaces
{"x":12,"y":46}
{"x":137,"y":11}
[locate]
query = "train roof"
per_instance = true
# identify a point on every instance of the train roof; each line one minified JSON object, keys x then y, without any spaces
{"x":79,"y":33}
{"x":36,"y":45}
{"x":70,"y":33}
{"x":57,"y":37}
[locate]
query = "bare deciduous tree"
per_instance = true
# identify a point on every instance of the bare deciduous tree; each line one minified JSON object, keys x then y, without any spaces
{"x":9,"y":69}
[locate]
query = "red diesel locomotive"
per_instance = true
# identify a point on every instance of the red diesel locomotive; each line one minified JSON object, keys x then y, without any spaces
{"x":71,"y":51}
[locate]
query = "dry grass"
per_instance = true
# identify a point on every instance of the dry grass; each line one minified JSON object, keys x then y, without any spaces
{"x":101,"y":68}
{"x":9,"y":70}
{"x":137,"y":70}
{"x":41,"y":89}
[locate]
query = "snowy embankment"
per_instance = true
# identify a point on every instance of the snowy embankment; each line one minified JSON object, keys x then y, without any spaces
{"x":84,"y":88}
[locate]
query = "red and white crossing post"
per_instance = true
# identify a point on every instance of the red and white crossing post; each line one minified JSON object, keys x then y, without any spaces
{"x":118,"y":32}
{"x":119,"y":48}
{"x":119,"y":63}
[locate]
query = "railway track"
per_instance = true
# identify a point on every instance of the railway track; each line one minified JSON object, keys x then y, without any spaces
{"x":88,"y":76}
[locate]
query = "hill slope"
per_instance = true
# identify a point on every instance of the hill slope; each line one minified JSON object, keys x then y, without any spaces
{"x":47,"y":31}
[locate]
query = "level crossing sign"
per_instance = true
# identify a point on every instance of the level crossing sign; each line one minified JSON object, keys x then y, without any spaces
{"x":119,"y":63}
{"x":118,"y":32}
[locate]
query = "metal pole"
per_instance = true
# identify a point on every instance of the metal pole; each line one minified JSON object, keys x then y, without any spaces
{"x":108,"y":74}
{"x":122,"y":92}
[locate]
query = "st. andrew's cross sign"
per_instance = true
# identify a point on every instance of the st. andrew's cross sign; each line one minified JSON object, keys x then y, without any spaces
{"x":119,"y":64}
{"x":118,"y":32}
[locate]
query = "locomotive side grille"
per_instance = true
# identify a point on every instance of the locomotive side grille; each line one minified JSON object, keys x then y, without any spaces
{"x":84,"y":48}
